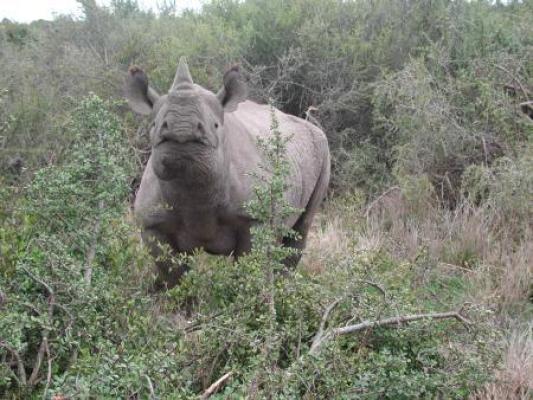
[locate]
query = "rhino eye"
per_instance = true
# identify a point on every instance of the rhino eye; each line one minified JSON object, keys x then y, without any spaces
{"x":216,"y":125}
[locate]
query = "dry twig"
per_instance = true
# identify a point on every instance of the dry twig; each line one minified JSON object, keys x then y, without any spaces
{"x":215,"y":387}
{"x":323,"y":322}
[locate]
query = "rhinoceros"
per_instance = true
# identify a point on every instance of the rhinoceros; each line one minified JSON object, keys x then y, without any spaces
{"x":204,"y":156}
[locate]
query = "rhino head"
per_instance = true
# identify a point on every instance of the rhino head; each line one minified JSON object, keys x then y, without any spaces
{"x":187,"y":132}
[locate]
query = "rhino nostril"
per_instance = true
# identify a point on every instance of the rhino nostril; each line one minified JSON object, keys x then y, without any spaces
{"x":200,"y":126}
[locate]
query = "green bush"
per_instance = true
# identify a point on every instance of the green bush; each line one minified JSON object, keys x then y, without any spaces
{"x":67,"y":253}
{"x":77,"y":320}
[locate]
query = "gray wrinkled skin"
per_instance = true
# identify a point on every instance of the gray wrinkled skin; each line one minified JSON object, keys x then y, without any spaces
{"x":204,"y":153}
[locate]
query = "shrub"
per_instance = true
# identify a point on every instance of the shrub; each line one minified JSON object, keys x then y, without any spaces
{"x":66,"y":256}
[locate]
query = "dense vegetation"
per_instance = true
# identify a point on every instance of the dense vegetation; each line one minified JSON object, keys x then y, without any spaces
{"x":427,"y":107}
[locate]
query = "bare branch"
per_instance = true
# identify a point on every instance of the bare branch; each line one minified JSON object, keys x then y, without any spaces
{"x":49,"y":373}
{"x":38,"y":361}
{"x":43,"y":348}
{"x":215,"y":386}
{"x":399,"y":320}
{"x":325,"y":316}
{"x":391,"y":322}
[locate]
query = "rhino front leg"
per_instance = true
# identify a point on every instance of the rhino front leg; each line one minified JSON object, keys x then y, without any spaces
{"x":161,"y":248}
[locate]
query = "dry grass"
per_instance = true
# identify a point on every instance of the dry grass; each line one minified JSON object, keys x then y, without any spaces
{"x":328,"y":240}
{"x":335,"y":236}
{"x":471,"y":241}
{"x":515,"y":380}
{"x":516,"y":272}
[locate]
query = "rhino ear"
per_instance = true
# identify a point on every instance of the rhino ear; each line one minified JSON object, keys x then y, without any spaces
{"x":140,"y":96}
{"x":234,"y":90}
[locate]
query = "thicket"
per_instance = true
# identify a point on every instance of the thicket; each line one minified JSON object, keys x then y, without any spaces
{"x":427,"y":107}
{"x":402,"y":88}
{"x":78,"y":320}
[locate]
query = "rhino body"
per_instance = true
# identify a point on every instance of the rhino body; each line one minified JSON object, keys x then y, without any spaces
{"x":204,"y":158}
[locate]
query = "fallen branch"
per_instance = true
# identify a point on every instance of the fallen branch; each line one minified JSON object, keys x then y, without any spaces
{"x":320,"y":334}
{"x":318,"y":341}
{"x":215,"y":387}
{"x":323,"y":322}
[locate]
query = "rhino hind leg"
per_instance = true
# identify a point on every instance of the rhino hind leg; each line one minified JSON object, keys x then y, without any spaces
{"x":168,"y":273}
{"x":303,"y":224}
{"x":301,"y":229}
{"x":296,"y":242}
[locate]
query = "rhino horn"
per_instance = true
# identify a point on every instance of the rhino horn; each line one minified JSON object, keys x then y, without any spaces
{"x":183,"y":76}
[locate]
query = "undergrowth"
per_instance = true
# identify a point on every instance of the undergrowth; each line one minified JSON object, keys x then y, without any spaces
{"x":77,"y":319}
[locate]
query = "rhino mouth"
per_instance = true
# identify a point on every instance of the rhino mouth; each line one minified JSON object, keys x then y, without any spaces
{"x":184,"y":141}
{"x":172,"y":159}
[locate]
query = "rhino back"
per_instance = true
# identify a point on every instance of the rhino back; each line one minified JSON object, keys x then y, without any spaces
{"x":306,"y":150}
